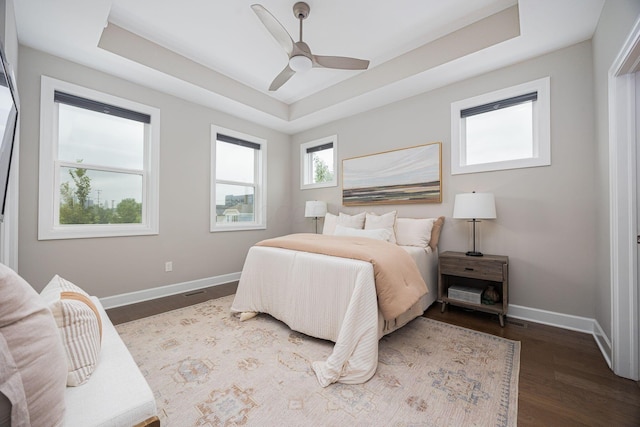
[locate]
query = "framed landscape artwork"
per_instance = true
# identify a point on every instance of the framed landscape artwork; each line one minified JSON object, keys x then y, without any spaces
{"x":408,"y":175}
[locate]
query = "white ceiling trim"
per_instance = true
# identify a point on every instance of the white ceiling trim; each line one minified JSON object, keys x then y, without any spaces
{"x":480,"y":35}
{"x":192,"y":52}
{"x":342,"y":96}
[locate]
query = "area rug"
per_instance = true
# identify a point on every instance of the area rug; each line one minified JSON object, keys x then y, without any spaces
{"x":206,"y":368}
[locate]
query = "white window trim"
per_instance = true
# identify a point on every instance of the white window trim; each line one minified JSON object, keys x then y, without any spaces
{"x":49,"y":186}
{"x":541,"y":128}
{"x":260,"y":195}
{"x":306,"y":169}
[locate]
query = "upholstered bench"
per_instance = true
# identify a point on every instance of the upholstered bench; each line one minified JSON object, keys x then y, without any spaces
{"x":116,"y":394}
{"x":62,"y":362}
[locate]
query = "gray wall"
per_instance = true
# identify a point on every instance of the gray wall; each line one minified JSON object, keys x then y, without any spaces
{"x":546,"y":216}
{"x":552,"y":221}
{"x":112,"y":266}
{"x":616,"y":20}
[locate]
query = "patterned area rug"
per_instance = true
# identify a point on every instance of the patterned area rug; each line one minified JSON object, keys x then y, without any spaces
{"x":207,"y":368}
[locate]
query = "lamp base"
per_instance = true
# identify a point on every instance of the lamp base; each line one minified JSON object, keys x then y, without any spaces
{"x":472,"y":253}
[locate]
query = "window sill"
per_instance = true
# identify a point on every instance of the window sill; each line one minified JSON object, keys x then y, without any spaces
{"x":221,"y":228}
{"x":319,"y":185}
{"x":91,"y":232}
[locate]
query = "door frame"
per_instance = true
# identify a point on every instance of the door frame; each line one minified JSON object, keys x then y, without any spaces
{"x":625,"y":333}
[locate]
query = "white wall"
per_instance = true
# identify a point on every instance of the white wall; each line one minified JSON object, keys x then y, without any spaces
{"x":9,"y":227}
{"x":616,"y":20}
{"x":546,"y":216}
{"x":113,"y":266}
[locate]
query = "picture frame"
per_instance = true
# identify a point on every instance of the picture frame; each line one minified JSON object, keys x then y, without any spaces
{"x":402,"y":176}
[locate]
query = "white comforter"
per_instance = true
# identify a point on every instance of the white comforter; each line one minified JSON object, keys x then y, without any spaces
{"x":325,"y":297}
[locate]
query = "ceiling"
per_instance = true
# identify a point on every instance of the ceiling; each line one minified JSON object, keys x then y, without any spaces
{"x":218,"y":53}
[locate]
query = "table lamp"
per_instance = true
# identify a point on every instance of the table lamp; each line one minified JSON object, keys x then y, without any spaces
{"x":315,"y":209}
{"x":474,"y":206}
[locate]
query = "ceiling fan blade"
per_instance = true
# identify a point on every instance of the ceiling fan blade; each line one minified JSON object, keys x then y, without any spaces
{"x":340,"y":62}
{"x":274,"y":27}
{"x":282,"y":78}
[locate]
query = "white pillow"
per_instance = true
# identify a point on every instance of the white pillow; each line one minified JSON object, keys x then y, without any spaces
{"x":330,"y":221}
{"x":79,"y":324}
{"x":378,"y":234}
{"x":351,"y":221}
{"x":386,"y":221}
{"x":414,"y":232}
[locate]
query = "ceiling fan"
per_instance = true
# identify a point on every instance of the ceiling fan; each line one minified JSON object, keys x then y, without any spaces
{"x":300,"y":56}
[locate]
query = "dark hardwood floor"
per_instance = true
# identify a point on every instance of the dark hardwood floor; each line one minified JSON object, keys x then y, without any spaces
{"x":149,"y":308}
{"x":564,"y":380}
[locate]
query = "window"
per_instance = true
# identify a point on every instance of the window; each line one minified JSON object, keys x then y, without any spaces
{"x":506,"y":129}
{"x":237,"y":181}
{"x":98,"y":164}
{"x":318,"y":160}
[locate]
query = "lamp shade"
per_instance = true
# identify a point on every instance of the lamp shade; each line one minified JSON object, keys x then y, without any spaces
{"x":474,"y":206}
{"x":315,"y":209}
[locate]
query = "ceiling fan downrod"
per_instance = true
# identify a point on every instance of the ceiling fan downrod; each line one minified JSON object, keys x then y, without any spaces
{"x":301,"y":12}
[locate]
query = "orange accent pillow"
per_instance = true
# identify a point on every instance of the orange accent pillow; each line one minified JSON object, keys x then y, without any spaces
{"x":435,"y":232}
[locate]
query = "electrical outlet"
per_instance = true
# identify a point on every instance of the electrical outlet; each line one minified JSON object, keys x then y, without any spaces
{"x":168,"y":266}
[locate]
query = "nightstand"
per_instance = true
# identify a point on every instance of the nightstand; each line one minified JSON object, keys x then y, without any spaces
{"x":462,"y":280}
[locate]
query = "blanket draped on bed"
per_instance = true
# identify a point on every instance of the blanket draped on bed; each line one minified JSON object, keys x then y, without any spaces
{"x":399,"y":284}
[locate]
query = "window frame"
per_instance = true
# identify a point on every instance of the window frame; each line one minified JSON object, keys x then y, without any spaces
{"x":306,"y":168}
{"x":260,"y":175}
{"x":541,"y":128}
{"x":49,"y":227}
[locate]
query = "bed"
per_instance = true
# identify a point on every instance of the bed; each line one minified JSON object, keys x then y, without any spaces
{"x":333,"y":298}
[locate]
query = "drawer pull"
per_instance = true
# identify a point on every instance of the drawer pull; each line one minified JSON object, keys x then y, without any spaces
{"x":468,"y":269}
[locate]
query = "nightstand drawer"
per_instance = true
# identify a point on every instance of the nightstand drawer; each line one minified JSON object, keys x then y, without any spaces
{"x":485,"y":269}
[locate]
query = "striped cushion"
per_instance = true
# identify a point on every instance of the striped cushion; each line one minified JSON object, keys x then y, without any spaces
{"x":32,"y":352}
{"x":79,"y":324}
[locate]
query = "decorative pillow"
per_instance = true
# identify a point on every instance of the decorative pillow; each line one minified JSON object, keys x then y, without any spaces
{"x":435,"y":233}
{"x":386,"y":221}
{"x":330,"y":221}
{"x":33,"y":348}
{"x":414,"y":232}
{"x":79,"y":325}
{"x":351,"y":221}
{"x":13,"y":402}
{"x":378,"y":234}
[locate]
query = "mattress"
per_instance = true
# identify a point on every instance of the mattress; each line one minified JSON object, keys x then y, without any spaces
{"x":329,"y":298}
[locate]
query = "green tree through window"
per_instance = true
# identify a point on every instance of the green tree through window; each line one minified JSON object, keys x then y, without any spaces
{"x":77,"y":208}
{"x":128,"y":211}
{"x":322,"y":172}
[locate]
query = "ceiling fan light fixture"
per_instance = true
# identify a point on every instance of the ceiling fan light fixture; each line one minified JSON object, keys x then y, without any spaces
{"x":300,"y":57}
{"x":300,"y":63}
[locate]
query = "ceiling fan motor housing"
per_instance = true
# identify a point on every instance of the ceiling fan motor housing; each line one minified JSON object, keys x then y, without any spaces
{"x":301,"y":10}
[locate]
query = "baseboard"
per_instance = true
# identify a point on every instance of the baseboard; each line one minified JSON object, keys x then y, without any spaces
{"x":165,"y":291}
{"x":550,"y":318}
{"x":565,"y":321}
{"x":559,"y":320}
{"x":603,"y":343}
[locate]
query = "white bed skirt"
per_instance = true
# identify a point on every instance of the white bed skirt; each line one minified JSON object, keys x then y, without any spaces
{"x":330,"y":298}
